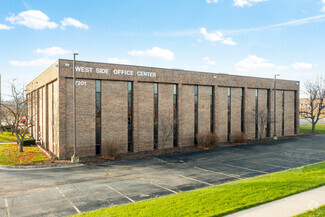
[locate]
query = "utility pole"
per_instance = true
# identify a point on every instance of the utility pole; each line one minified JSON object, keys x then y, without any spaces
{"x":274,"y":103}
{"x":74,"y":158}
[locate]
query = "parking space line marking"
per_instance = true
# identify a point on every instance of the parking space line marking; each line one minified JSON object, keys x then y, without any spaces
{"x":269,"y":164}
{"x":151,"y":182}
{"x":195,"y":180}
{"x":67,"y":199}
{"x":7,"y":207}
{"x":120,"y":193}
{"x":244,"y":168}
{"x":225,"y":174}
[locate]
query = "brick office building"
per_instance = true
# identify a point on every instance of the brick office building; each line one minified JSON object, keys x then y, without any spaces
{"x":127,"y":103}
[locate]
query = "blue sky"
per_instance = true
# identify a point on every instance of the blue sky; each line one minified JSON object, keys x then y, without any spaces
{"x":244,"y":37}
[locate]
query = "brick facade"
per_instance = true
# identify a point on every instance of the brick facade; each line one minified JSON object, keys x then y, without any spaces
{"x":51,"y":106}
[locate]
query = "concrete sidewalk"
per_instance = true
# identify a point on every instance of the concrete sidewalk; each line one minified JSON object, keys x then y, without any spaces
{"x":287,"y":207}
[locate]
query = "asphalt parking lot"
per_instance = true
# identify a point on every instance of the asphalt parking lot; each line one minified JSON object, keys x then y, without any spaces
{"x":67,"y":191}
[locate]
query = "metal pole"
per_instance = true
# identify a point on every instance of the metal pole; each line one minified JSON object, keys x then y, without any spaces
{"x":74,"y":159}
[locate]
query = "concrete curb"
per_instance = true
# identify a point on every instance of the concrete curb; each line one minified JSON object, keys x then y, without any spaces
{"x":39,"y":166}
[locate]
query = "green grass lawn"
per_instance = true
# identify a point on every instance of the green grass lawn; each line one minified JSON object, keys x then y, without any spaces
{"x":319,"y":212}
{"x":226,"y":198}
{"x":7,"y":137}
{"x":320,"y":128}
{"x":10,"y":155}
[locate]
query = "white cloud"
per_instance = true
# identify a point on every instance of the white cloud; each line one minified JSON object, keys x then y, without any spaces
{"x":154,"y":52}
{"x":242,"y":3}
{"x":52,"y":51}
{"x":68,"y":21}
{"x":32,"y":63}
{"x":208,"y":61}
{"x":253,"y":62}
{"x":5,"y":27}
{"x":217,"y":36}
{"x":118,"y":60}
{"x":33,"y":19}
{"x":212,"y":1}
{"x":323,"y":7}
{"x":302,"y":66}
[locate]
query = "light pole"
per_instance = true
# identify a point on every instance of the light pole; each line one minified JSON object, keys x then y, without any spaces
{"x":274,"y":103}
{"x":74,"y":158}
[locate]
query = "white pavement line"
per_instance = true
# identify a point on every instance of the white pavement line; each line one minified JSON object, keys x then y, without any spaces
{"x":151,"y":182}
{"x":67,"y":199}
{"x":120,"y":193}
{"x":195,"y":180}
{"x":7,"y":207}
{"x":269,"y":164}
{"x":225,"y":174}
{"x":244,"y":168}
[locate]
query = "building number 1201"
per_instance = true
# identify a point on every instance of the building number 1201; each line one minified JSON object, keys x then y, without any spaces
{"x":81,"y":83}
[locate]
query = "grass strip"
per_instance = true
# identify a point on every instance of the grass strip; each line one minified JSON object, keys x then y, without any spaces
{"x":320,"y":128}
{"x":227,"y":198}
{"x":10,"y":155}
{"x":318,"y":212}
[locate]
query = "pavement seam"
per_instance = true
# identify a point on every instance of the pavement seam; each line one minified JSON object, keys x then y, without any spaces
{"x":196,"y":180}
{"x":67,"y":199}
{"x":7,"y":207}
{"x":120,"y":193}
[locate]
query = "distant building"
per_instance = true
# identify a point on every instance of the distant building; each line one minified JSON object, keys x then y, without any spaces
{"x":126,"y":103}
{"x":305,"y":107}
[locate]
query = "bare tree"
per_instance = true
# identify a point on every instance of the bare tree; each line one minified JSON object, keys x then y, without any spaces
{"x":315,"y":100}
{"x":17,"y":109}
{"x":7,"y":118}
{"x":263,"y":119}
{"x":166,"y":129}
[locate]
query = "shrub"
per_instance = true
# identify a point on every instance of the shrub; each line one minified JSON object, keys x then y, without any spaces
{"x":239,"y":138}
{"x":111,"y":147}
{"x":207,"y":139}
{"x":29,"y":142}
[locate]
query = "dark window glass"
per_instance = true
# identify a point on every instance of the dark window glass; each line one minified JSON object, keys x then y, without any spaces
{"x":98,"y":118}
{"x":282,"y":113}
{"x":268,"y":126}
{"x":175,"y":115}
{"x":242,"y":121}
{"x":228,"y":113}
{"x":196,"y":115}
{"x":155,"y":116}
{"x":130,"y":117}
{"x":256,"y":113}
{"x":212,"y":109}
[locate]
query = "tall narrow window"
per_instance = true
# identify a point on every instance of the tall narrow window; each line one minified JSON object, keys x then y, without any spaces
{"x":98,"y":118}
{"x":212,"y":109}
{"x":196,"y":111}
{"x":256,"y":113}
{"x":229,"y":113}
{"x":175,"y":115}
{"x":282,"y":113}
{"x":242,"y":111}
{"x":130,"y":117}
{"x":268,"y":123}
{"x":155,"y":118}
{"x":295,"y":112}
